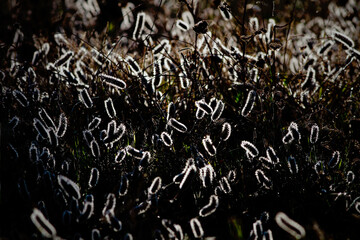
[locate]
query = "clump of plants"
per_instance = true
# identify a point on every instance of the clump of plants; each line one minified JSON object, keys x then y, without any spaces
{"x":181,"y":120}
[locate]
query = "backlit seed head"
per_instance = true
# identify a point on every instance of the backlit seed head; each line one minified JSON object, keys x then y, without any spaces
{"x":271,"y":155}
{"x":314,"y":135}
{"x":109,"y":106}
{"x":210,"y":207}
{"x":62,"y":127}
{"x":42,"y":224}
{"x":120,"y":156}
{"x":155,"y":186}
{"x":94,"y":123}
{"x":263,"y":179}
{"x":203,"y":106}
{"x":288,"y":138}
{"x":182,"y":25}
{"x":94,"y":177}
{"x":249,"y":103}
{"x":335,"y":159}
{"x":293,"y":167}
{"x":290,"y":226}
{"x":85,"y":98}
{"x":217,"y":110}
{"x":166,"y":138}
{"x":208,"y":145}
{"x":95,"y":149}
{"x":196,"y":228}
{"x":21,"y":98}
{"x":176,"y":125}
{"x":250,"y":149}
{"x":225,"y":131}
{"x":69,"y":187}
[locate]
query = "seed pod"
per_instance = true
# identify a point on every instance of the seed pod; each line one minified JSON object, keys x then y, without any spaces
{"x":271,"y":155}
{"x":196,"y":228}
{"x":62,"y":127}
{"x":335,"y":159}
{"x":139,"y":26}
{"x":176,"y":125}
{"x":42,"y":224}
{"x":250,"y":149}
{"x":155,"y":186}
{"x":41,"y":129}
{"x":166,"y":139}
{"x":225,"y":186}
{"x":85,"y":98}
{"x":110,"y":204}
{"x":343,"y":39}
{"x":124,"y":186}
{"x":120,"y":156}
{"x":263,"y":179}
{"x":249,"y":103}
{"x":94,"y":177}
{"x":70,"y":188}
{"x":95,"y":149}
{"x":217,"y":110}
{"x":94,"y":123}
{"x":314,"y":135}
{"x":225,"y":131}
{"x":113,"y":81}
{"x":109,"y":106}
{"x":293,"y":167}
{"x":21,"y":98}
{"x":208,"y":145}
{"x":290,"y":226}
{"x":210,"y":207}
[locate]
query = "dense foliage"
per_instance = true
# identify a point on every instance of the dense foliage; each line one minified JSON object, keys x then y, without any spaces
{"x":180,"y":119}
